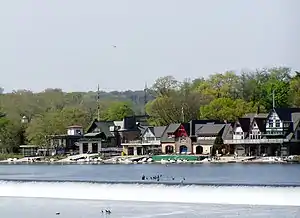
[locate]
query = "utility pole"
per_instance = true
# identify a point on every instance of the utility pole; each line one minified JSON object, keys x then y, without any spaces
{"x":98,"y":103}
{"x":182,"y":114}
{"x":273,"y":98}
{"x":145,"y":98}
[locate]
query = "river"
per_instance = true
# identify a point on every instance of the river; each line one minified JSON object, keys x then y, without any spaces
{"x":205,"y":190}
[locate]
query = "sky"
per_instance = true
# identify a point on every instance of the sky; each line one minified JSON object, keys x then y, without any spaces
{"x":123,"y":44}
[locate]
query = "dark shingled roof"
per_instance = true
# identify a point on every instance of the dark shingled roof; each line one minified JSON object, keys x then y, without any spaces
{"x":158,"y":130}
{"x":261,"y":123}
{"x":285,"y":114}
{"x":104,"y":127}
{"x":227,"y":132}
{"x":195,"y":124}
{"x":296,"y":122}
{"x":246,"y":121}
{"x":171,"y":128}
{"x":210,"y":129}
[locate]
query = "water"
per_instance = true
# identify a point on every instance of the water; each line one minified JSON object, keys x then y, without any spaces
{"x":209,"y":190}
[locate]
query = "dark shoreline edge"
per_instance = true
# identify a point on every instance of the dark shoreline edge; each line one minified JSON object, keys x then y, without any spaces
{"x":164,"y":183}
{"x":152,"y":163}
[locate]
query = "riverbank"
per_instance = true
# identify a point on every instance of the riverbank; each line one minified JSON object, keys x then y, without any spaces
{"x":146,"y":159}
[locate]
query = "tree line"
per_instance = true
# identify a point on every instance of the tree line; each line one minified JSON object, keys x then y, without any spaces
{"x":223,"y":96}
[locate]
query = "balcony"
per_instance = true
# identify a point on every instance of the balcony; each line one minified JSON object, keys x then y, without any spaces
{"x":206,"y":138}
{"x":255,"y":141}
{"x":140,"y":142}
{"x":151,"y":142}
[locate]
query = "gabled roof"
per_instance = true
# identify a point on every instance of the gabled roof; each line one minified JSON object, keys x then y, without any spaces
{"x":285,"y":114}
{"x":143,"y":129}
{"x":210,"y":129}
{"x":158,"y":131}
{"x":261,"y":124}
{"x":172,"y":127}
{"x":227,"y":132}
{"x":195,"y":124}
{"x":295,"y":119}
{"x":246,"y":121}
{"x":103,"y":126}
{"x":296,"y":122}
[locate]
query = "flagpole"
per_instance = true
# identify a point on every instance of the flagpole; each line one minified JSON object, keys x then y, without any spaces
{"x":98,"y":103}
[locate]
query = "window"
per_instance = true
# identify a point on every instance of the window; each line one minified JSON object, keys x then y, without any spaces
{"x":277,"y":123}
{"x":270,"y":123}
{"x":171,"y":136}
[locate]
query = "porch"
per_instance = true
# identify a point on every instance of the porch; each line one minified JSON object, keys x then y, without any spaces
{"x":141,"y":147}
{"x":259,"y":150}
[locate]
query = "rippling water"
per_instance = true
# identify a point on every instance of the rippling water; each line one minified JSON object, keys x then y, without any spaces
{"x":236,"y":190}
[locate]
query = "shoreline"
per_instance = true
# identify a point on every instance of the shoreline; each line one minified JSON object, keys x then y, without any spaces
{"x":151,"y":163}
{"x":146,"y":159}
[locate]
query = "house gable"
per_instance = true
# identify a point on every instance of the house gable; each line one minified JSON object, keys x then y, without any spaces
{"x":148,"y":133}
{"x":173,"y":131}
{"x":180,"y":132}
{"x":254,"y":128}
{"x":238,"y":133}
{"x":274,"y":121}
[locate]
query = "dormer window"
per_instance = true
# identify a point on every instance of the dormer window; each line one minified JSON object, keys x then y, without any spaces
{"x":277,"y":123}
{"x":171,"y":135}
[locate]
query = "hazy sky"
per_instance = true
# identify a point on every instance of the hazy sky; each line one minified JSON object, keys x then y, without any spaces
{"x":68,"y":43}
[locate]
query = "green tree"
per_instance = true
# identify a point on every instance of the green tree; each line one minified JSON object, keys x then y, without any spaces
{"x":118,"y":110}
{"x":54,"y":123}
{"x":279,"y":82}
{"x":164,"y":110}
{"x":220,"y":85}
{"x":226,"y":109}
{"x":9,"y":136}
{"x":181,"y":105}
{"x":294,"y":94}
{"x":164,"y":86}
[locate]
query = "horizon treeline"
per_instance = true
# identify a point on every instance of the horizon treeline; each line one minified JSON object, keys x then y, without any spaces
{"x":223,"y":96}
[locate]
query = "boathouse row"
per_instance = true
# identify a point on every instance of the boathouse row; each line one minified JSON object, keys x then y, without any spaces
{"x":274,"y":133}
